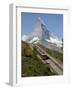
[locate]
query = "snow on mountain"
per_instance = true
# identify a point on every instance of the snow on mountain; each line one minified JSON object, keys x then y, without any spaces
{"x":41,"y":34}
{"x":55,"y":41}
{"x":34,"y":40}
{"x":40,"y":30}
{"x":24,"y":38}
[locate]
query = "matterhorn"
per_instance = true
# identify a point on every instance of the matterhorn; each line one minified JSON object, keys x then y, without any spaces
{"x":42,"y":35}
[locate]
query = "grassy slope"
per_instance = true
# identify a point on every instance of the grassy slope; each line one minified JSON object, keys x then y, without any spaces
{"x":57,"y":55}
{"x":31,"y":65}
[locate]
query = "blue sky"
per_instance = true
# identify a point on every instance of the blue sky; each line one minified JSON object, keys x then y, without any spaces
{"x":53,"y":22}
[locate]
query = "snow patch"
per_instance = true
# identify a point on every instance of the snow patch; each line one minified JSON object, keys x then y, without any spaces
{"x":24,"y":37}
{"x":34,"y":40}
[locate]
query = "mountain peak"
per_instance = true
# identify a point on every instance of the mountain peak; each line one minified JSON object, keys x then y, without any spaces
{"x":40,"y":33}
{"x":41,"y":21}
{"x":40,"y":30}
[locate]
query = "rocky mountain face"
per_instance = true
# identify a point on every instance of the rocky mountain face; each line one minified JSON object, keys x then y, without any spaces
{"x":42,"y":35}
{"x":40,"y":30}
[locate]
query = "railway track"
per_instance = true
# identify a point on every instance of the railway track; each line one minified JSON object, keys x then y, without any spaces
{"x":55,"y":67}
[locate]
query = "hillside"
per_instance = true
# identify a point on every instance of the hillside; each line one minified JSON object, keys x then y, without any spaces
{"x":31,"y":64}
{"x":55,"y":54}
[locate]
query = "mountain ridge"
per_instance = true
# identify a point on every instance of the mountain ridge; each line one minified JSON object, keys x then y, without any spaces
{"x":41,"y":34}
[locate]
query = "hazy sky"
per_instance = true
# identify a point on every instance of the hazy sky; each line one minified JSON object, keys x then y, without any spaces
{"x":53,"y":22}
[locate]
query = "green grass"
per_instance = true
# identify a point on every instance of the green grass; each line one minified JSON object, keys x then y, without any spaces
{"x":31,"y":65}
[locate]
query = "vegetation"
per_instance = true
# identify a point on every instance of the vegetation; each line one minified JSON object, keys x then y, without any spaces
{"x":26,"y":50}
{"x":57,"y":55}
{"x":31,"y":65}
